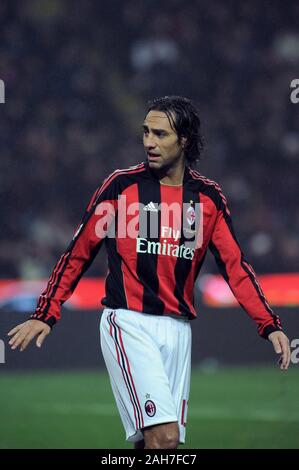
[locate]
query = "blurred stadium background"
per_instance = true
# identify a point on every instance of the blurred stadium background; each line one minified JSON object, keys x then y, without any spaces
{"x":77,"y":76}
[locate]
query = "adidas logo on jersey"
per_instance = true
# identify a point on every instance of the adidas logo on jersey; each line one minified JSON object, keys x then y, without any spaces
{"x":150,"y":207}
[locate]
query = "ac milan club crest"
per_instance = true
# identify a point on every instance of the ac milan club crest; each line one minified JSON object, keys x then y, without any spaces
{"x":190,"y":215}
{"x":150,"y":408}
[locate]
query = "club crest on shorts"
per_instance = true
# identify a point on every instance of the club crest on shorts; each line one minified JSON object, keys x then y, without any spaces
{"x":150,"y":408}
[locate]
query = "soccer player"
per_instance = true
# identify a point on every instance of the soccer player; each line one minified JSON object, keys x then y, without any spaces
{"x":157,"y":220}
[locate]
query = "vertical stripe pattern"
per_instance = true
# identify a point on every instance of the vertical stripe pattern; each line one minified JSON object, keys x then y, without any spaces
{"x":124,"y":365}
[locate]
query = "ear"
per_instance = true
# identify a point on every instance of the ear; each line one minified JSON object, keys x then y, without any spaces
{"x":183,"y":141}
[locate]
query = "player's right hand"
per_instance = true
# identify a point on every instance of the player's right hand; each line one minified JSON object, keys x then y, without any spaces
{"x":23,"y":333}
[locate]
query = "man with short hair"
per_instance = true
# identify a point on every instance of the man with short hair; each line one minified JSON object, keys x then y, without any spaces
{"x":157,"y":220}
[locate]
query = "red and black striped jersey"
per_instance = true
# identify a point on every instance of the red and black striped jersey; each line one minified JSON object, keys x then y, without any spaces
{"x":155,"y":254}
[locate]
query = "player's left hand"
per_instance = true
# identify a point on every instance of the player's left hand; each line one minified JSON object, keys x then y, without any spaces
{"x":281,"y":345}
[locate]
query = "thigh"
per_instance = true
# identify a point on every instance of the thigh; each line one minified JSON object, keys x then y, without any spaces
{"x":139,"y":382}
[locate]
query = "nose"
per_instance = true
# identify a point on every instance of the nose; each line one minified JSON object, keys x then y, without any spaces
{"x":149,"y":142}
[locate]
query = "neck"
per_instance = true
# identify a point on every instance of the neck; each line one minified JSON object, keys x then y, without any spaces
{"x":173,"y":175}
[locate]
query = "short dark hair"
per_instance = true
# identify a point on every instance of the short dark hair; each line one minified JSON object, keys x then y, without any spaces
{"x":184,"y":120}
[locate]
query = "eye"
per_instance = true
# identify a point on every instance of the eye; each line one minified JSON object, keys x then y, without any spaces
{"x":160,"y":134}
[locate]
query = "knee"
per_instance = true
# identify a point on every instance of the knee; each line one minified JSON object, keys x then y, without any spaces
{"x":165,"y":440}
{"x":170,"y":441}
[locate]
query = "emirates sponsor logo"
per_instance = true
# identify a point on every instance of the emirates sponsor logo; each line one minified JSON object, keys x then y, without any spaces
{"x":164,"y":248}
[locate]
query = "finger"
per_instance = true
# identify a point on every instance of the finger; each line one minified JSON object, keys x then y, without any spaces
{"x":27,"y":340}
{"x":15,"y":329}
{"x":288,"y":358}
{"x":17,"y":340}
{"x":276,"y":346}
{"x":286,"y":354}
{"x":41,"y":338}
{"x":22,"y":330}
{"x":289,"y":354}
{"x":14,"y":339}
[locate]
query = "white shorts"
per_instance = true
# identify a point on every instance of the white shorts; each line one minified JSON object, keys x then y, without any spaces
{"x":148,"y":358}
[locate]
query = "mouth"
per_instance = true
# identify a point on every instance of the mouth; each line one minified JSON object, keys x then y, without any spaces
{"x":152,"y":156}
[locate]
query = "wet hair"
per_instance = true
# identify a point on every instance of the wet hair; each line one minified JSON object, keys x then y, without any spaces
{"x":184,"y":120}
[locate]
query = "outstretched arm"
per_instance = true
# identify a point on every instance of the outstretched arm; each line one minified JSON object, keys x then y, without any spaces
{"x":242,"y":280}
{"x":69,"y":269}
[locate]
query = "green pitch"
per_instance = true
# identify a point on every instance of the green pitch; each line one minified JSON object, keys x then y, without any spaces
{"x":243,"y":408}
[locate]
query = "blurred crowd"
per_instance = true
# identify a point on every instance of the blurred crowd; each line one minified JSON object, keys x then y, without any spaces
{"x":77,"y":78}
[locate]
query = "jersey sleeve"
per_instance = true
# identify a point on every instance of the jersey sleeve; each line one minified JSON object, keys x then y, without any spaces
{"x":74,"y":262}
{"x":239,"y":274}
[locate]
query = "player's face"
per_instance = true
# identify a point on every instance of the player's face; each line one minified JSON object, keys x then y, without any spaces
{"x":161,"y":143}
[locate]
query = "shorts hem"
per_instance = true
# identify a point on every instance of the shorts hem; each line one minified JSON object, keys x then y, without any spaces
{"x":137,"y":436}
